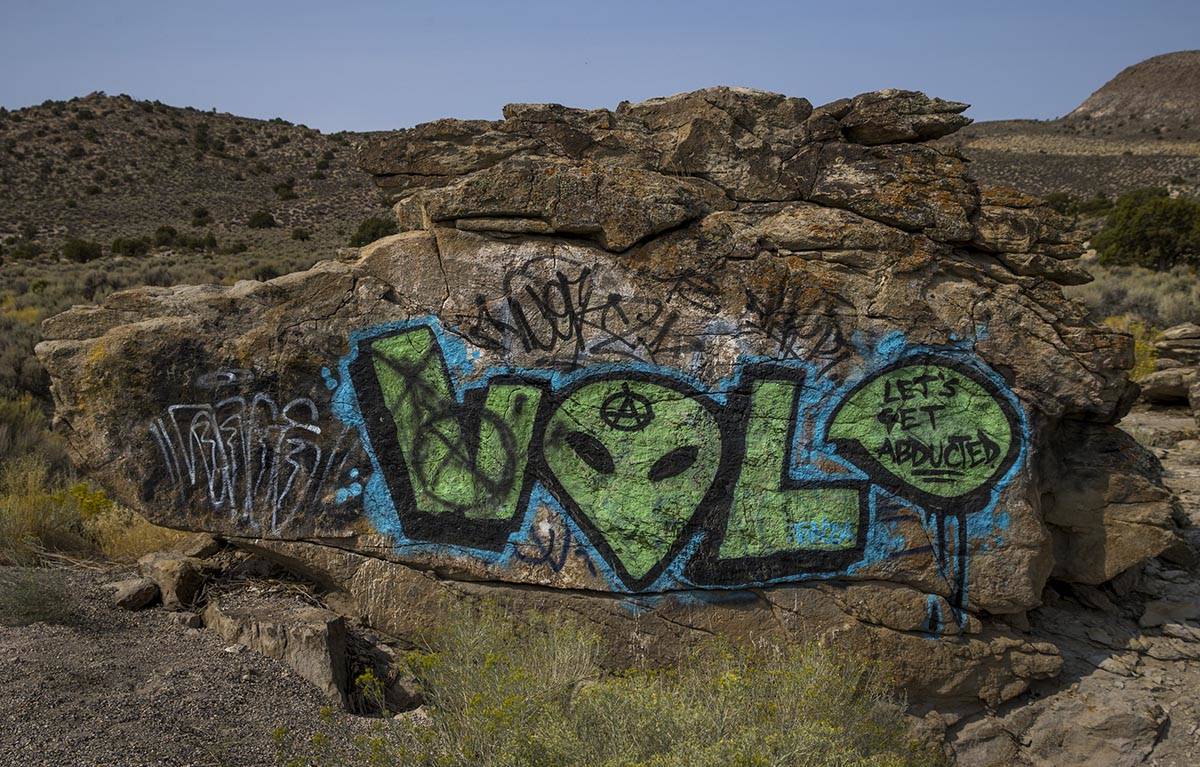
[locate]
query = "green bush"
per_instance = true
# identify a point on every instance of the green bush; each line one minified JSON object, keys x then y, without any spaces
{"x":130,"y":246}
{"x":165,"y":236}
{"x":201,"y":217}
{"x":200,"y":137}
{"x":371,"y":230}
{"x":261,"y":220}
{"x":265,"y":272}
{"x":535,"y":693}
{"x":23,"y":250}
{"x":302,"y":235}
{"x":286,"y":189}
{"x":81,"y":251}
{"x":1148,"y":228}
{"x":197,"y":242}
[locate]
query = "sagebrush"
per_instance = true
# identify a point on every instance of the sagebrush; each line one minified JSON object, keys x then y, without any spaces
{"x":534,"y":693}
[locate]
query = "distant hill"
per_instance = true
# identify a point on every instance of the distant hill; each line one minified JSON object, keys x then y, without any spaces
{"x":102,"y":167}
{"x":1142,"y":128}
{"x":1161,"y":93}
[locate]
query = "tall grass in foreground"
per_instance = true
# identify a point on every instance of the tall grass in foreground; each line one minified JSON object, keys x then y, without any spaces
{"x":44,"y":510}
{"x":507,"y":694}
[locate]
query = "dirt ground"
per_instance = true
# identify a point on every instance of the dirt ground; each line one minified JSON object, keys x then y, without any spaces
{"x":110,"y":687}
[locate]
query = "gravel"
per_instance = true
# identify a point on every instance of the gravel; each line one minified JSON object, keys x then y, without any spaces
{"x":110,"y":687}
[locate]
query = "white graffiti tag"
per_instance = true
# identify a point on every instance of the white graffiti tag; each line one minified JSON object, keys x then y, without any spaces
{"x":250,"y":456}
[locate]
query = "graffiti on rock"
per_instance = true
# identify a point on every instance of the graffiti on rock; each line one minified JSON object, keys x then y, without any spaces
{"x":564,"y":314}
{"x":776,"y":474}
{"x":247,"y":456}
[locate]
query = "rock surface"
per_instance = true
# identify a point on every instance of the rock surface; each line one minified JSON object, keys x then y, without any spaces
{"x":748,"y":366}
{"x":1126,"y":693}
{"x":178,"y":577}
{"x":134,"y":593}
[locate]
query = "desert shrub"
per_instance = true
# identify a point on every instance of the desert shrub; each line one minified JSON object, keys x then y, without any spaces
{"x":1061,"y":202}
{"x":23,"y":250}
{"x":29,"y":595}
{"x":233,"y":248}
{"x":33,"y":517}
{"x":130,"y":246}
{"x":371,"y":230}
{"x":504,"y":692}
{"x":165,"y":236}
{"x":286,"y":189}
{"x":1158,"y":299}
{"x":261,"y":220}
{"x":159,"y":276}
{"x":301,"y":235}
{"x":197,"y":242}
{"x":201,"y":217}
{"x":1148,"y":228}
{"x":39,"y":515}
{"x":25,"y":433}
{"x":81,"y":251}
{"x":201,"y":137}
{"x":124,"y":536}
{"x":1144,"y":336}
{"x":265,"y":272}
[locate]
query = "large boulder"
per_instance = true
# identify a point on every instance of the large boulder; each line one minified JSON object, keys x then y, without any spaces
{"x":714,"y":363}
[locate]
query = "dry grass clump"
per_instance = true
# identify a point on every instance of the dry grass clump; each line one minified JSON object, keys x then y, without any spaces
{"x":534,"y":694}
{"x":1144,"y":336}
{"x":1156,"y":299}
{"x":43,"y":509}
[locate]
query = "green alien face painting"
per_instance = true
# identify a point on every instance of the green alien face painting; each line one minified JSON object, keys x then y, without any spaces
{"x":637,"y":458}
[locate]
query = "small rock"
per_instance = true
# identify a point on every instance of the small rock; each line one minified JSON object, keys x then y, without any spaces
{"x":179,"y":577}
{"x":135,"y":593}
{"x":1162,"y":611}
{"x":310,"y":640}
{"x":419,"y":716}
{"x":235,"y":649}
{"x":403,"y":694}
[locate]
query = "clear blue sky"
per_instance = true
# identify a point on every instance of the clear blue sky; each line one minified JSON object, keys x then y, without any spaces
{"x":376,"y":65}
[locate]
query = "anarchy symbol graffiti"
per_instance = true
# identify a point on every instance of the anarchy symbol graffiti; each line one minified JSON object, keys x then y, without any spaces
{"x":626,"y":410}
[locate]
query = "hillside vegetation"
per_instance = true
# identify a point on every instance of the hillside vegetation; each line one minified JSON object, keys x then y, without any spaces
{"x":103,"y":193}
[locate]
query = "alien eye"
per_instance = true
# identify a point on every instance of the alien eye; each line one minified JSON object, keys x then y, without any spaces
{"x":592,"y":451}
{"x":675,"y":462}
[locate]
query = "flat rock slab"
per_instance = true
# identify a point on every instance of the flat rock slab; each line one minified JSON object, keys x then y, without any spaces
{"x":310,"y":640}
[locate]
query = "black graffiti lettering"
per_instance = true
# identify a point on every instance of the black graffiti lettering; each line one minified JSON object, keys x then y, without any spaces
{"x":565,"y":312}
{"x":952,"y":456}
{"x":814,"y":335}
